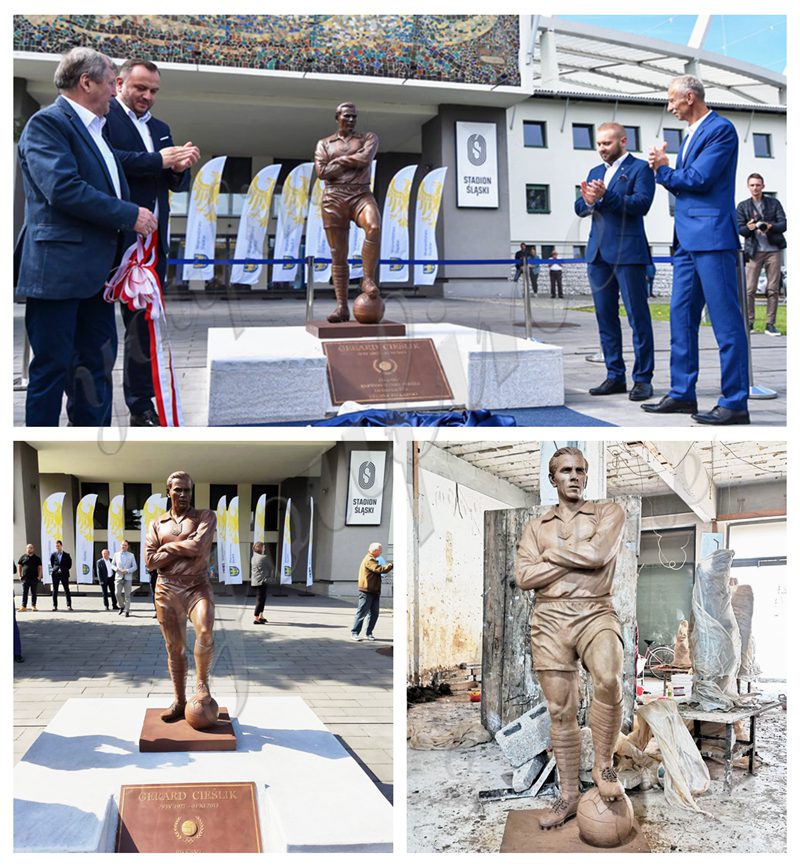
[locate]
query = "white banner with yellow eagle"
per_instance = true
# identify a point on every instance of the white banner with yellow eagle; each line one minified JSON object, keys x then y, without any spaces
{"x":291,"y":218}
{"x":154,"y":507}
{"x":316,"y":240}
{"x":116,"y":524}
{"x":234,"y":552}
{"x":253,"y":225}
{"x":201,"y":222}
{"x":84,"y":539}
{"x":286,"y":548}
{"x":222,"y":539}
{"x":394,"y":227}
{"x":52,"y":530}
{"x":259,"y":525}
{"x":429,"y":198}
{"x":357,"y":235}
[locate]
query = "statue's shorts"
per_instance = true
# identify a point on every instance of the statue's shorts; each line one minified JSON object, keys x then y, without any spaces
{"x":562,"y":629}
{"x":344,"y":202}
{"x":176,"y":596}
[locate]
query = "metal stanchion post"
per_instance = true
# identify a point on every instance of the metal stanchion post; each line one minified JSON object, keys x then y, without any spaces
{"x":526,"y":294}
{"x":309,"y":288}
{"x":757,"y":392}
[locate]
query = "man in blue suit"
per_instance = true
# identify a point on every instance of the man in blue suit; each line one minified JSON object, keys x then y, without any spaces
{"x":704,"y":256}
{"x":77,"y":222}
{"x":153,"y":166}
{"x":617,"y":194}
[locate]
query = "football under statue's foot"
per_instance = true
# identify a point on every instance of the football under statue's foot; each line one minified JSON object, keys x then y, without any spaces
{"x":562,"y":810}
{"x":340,"y":314}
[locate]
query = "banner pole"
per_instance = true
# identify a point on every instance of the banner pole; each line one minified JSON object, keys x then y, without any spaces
{"x":309,"y":288}
{"x":526,"y":294}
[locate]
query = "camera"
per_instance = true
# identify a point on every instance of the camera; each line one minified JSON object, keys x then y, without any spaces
{"x":761,"y":226}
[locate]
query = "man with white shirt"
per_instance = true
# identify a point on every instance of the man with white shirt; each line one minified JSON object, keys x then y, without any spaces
{"x":124,"y":565}
{"x":77,"y":222}
{"x":153,"y":167}
{"x":105,"y":575}
{"x":705,"y":246}
{"x":616,"y":195}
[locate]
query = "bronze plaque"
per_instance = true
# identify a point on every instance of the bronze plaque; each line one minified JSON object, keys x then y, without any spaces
{"x":385,"y":371}
{"x":188,"y":817}
{"x":158,"y":736}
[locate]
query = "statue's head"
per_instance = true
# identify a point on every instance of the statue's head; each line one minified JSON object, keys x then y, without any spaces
{"x":347,"y":115}
{"x":179,"y":490}
{"x":568,"y":471}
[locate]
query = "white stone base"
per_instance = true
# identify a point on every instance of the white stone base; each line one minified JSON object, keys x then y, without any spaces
{"x":313,"y":796}
{"x":279,"y":374}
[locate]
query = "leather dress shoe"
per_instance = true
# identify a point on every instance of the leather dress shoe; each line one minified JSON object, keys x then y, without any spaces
{"x":148,"y":418}
{"x":610,"y":386}
{"x":723,"y":415}
{"x":671,"y":404}
{"x":640,"y":391}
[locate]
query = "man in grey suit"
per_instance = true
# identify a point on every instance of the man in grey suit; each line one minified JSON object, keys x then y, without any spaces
{"x":77,"y":223}
{"x":124,"y":566}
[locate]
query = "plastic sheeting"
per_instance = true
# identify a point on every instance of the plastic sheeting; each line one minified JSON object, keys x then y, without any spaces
{"x":446,"y":735}
{"x":714,"y":635}
{"x":391,"y":417}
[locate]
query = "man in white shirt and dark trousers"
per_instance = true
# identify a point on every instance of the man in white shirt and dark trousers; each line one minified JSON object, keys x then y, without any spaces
{"x":105,"y":575}
{"x":124,"y":565}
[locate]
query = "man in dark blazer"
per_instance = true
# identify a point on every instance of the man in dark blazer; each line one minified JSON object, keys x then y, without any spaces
{"x":153,"y":166}
{"x":762,"y":222}
{"x":616,"y":195}
{"x":77,"y":221}
{"x":105,"y":575}
{"x":60,"y":565}
{"x":705,"y":246}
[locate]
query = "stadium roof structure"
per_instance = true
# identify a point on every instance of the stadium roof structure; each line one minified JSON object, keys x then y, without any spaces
{"x":575,"y":59}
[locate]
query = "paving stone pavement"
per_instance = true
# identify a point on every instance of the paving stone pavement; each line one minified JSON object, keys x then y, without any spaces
{"x":554,"y":321}
{"x":305,"y":650}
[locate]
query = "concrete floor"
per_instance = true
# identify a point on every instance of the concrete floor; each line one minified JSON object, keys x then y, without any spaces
{"x":555,"y":321}
{"x":445,"y":815}
{"x":305,"y":651}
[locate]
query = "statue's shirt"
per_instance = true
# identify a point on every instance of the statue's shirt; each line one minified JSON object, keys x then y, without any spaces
{"x":181,"y":546}
{"x":571,"y":555}
{"x":354,"y":156}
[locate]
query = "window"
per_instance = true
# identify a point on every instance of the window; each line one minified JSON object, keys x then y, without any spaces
{"x":135,"y":498}
{"x":578,"y":251}
{"x":762,"y":144}
{"x":547,"y":250}
{"x":537,"y":198}
{"x":271,"y":513}
{"x":632,"y":132}
{"x":534,"y":133}
{"x":101,"y":506}
{"x":583,"y":136}
{"x":673,"y":138}
{"x":577,"y":192}
{"x":671,"y":206}
{"x":217,"y":491}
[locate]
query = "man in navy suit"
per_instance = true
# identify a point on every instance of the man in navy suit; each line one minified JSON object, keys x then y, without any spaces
{"x":77,"y":222}
{"x":617,"y":194}
{"x":153,"y":166}
{"x":704,"y":256}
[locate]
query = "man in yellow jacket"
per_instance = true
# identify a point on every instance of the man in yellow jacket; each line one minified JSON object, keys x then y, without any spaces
{"x":369,"y":590}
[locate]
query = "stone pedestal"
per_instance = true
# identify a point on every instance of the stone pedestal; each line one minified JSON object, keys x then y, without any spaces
{"x":313,"y":796}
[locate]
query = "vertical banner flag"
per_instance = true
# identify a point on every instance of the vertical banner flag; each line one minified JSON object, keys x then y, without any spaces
{"x":234,"y":552}
{"x":253,"y":225}
{"x":365,"y":487}
{"x":394,"y":226}
{"x":84,"y":539}
{"x":52,"y":524}
{"x":222,"y":539}
{"x":116,"y":524}
{"x":309,"y":569}
{"x":429,"y":198}
{"x":292,"y":216}
{"x":201,"y":222}
{"x":316,"y":239}
{"x":259,"y":534}
{"x":357,"y":235}
{"x":154,"y":506}
{"x":286,"y":549}
{"x":476,"y":165}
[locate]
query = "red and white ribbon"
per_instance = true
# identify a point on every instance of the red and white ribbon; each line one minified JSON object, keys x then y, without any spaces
{"x":136,"y":284}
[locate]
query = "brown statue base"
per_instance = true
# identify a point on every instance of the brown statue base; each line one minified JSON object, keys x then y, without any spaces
{"x":351,"y":330}
{"x":158,"y":736}
{"x":523,"y":834}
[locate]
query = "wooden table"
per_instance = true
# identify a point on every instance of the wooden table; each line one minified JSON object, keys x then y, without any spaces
{"x":733,"y":748}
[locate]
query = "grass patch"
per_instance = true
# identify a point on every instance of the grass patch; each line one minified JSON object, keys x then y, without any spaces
{"x":660,"y":313}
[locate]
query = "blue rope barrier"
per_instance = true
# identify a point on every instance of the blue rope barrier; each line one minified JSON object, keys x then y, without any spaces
{"x":325,"y":261}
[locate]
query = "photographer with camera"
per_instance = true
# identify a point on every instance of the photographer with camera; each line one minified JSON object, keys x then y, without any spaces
{"x":762,"y":223}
